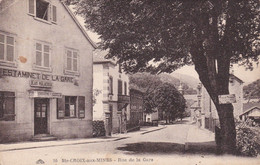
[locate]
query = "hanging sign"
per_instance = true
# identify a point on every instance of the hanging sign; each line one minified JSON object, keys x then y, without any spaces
{"x":227,"y":99}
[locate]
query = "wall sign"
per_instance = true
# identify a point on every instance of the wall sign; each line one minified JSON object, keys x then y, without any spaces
{"x":34,"y":75}
{"x":81,"y":113}
{"x":40,"y":83}
{"x":44,"y":94}
{"x":227,"y":99}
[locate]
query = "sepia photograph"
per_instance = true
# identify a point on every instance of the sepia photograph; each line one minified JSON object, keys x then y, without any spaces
{"x":129,"y":82}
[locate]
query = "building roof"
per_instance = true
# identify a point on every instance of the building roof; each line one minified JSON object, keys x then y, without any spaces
{"x":99,"y":57}
{"x":190,"y":97}
{"x":236,"y":78}
{"x":247,"y":106}
{"x":250,"y":109}
{"x":79,"y":26}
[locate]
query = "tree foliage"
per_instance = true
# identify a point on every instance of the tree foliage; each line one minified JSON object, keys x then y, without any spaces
{"x":252,"y":90}
{"x":159,"y":95}
{"x":170,"y":101}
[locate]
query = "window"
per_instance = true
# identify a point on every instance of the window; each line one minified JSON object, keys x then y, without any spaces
{"x":7,"y":48}
{"x":43,"y":10}
{"x":120,"y":87}
{"x":42,"y":55}
{"x":125,"y":87}
{"x":70,"y":106}
{"x":120,"y":68}
{"x":111,"y":85}
{"x":7,"y":106}
{"x":72,"y":60}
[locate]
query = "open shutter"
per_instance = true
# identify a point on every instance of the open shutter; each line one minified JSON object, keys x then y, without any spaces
{"x":31,"y":6}
{"x":54,"y":14}
{"x":61,"y":107}
{"x":81,"y":106}
{"x":50,"y":13}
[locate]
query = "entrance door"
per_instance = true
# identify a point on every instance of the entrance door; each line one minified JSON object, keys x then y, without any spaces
{"x":40,"y":115}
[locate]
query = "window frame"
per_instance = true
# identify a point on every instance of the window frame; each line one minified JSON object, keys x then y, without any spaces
{"x":75,"y":106}
{"x":4,"y":62}
{"x":125,"y":88}
{"x":14,"y":106}
{"x":51,"y":10}
{"x":121,"y":87}
{"x":111,"y":91}
{"x":42,"y":67}
{"x":66,"y":70}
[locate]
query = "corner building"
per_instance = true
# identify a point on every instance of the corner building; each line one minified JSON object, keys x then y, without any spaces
{"x":46,"y":72}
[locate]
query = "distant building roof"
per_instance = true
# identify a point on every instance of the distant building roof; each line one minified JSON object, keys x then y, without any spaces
{"x":248,"y":106}
{"x":190,"y":97}
{"x":99,"y":57}
{"x":236,"y":78}
{"x":256,"y":113}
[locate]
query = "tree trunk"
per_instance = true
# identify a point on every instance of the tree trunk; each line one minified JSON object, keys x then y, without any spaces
{"x":227,"y":141}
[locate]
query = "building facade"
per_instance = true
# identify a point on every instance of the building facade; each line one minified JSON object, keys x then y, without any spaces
{"x":136,"y":109}
{"x":45,"y":71}
{"x":208,"y":116}
{"x":112,"y":104}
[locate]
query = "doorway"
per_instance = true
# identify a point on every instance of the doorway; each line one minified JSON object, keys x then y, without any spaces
{"x":40,"y":116}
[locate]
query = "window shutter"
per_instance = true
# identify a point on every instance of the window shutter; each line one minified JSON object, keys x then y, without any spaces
{"x":61,"y":107}
{"x":81,"y":106}
{"x":9,"y":112}
{"x":54,"y":14}
{"x":31,"y":7}
{"x":50,"y":12}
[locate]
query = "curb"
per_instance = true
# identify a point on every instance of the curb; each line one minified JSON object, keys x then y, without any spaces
{"x":76,"y":143}
{"x":153,"y":130}
{"x":56,"y":145}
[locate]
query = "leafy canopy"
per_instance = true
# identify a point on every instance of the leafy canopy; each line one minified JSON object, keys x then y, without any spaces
{"x":160,"y":35}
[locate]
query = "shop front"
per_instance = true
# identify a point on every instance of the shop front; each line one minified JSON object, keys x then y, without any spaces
{"x":42,"y":104}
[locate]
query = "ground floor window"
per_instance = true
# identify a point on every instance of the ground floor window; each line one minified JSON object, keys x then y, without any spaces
{"x":71,"y":107}
{"x":7,"y":106}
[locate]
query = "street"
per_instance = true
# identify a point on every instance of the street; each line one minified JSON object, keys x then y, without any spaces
{"x":162,"y":146}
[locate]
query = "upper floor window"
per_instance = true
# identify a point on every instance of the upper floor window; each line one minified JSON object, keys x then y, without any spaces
{"x":120,"y":85}
{"x":72,"y":61}
{"x":42,"y":55}
{"x":43,"y":9}
{"x":7,"y":48}
{"x":125,"y":88}
{"x":111,"y":85}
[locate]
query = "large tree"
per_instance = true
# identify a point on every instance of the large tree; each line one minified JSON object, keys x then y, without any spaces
{"x":170,"y":101}
{"x":163,"y":35}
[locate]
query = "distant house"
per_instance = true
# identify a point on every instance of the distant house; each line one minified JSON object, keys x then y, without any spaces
{"x":209,"y":115}
{"x":136,"y":109}
{"x":150,"y":117}
{"x":251,"y":111}
{"x":191,"y":105}
{"x":112,"y":105}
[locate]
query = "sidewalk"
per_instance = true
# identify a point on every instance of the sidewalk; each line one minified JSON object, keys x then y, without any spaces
{"x":200,"y":139}
{"x":43,"y":144}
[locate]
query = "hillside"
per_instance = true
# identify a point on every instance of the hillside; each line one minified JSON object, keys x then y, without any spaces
{"x":189,"y":80}
{"x":138,"y":81}
{"x":252,"y":90}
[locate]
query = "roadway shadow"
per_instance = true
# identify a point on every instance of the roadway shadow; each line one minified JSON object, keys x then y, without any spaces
{"x":205,"y":148}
